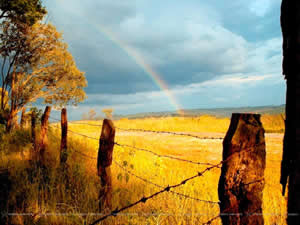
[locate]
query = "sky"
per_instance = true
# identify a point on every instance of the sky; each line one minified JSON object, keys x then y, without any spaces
{"x":205,"y":54}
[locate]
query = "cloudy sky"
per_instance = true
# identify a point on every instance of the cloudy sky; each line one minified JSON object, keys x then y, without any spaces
{"x":209,"y":54}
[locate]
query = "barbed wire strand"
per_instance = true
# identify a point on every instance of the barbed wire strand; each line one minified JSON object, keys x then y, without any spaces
{"x":169,"y":132}
{"x":159,"y":186}
{"x":146,"y":150}
{"x":144,"y":199}
{"x":163,"y":156}
{"x":148,"y":131}
{"x":168,"y":188}
{"x":147,"y":181}
{"x":79,"y":123}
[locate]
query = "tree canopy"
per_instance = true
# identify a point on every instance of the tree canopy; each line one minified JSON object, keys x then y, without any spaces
{"x":45,"y":69}
{"x":36,"y":63}
{"x":28,"y":12}
{"x":38,"y":66}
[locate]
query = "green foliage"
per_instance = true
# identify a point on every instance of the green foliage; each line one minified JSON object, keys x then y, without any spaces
{"x":29,"y":11}
{"x":39,"y":67}
{"x":2,"y":131}
{"x":108,"y":112}
{"x":15,"y":141}
{"x":38,"y":113}
{"x":3,"y":116}
{"x":92,"y":114}
{"x":52,"y":188}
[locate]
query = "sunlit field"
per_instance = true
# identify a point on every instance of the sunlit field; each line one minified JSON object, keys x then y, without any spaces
{"x":76,"y":198}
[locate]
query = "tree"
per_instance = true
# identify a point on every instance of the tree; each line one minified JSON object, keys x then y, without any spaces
{"x":39,"y":66}
{"x":28,"y":12}
{"x":84,"y":116}
{"x":92,"y":113}
{"x":108,"y":112}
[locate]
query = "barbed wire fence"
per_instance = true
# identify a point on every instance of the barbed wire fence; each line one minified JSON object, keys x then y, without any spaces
{"x":168,"y":188}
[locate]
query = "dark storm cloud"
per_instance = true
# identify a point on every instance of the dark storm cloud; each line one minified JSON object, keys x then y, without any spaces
{"x":185,"y":43}
{"x":252,"y":23}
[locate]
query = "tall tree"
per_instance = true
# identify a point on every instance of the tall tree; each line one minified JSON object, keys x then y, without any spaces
{"x":108,"y":112}
{"x":92,"y":114}
{"x":28,"y":12}
{"x":39,"y":67}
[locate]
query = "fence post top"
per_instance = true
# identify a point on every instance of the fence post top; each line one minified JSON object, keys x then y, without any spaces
{"x":246,"y":114}
{"x":109,"y":122}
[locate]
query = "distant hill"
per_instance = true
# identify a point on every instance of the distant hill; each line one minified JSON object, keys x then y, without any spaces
{"x":218,"y":112}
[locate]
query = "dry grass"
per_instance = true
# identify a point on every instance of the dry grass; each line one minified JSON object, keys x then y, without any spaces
{"x":170,"y":209}
{"x":165,"y":208}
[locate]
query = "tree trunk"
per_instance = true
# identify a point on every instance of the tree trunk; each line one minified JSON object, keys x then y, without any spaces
{"x":290,"y":166}
{"x":43,"y":135}
{"x":11,"y":116}
{"x":11,"y":120}
{"x":2,"y":98}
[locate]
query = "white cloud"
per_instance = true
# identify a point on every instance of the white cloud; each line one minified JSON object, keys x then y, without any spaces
{"x":189,"y":43}
{"x":260,"y":7}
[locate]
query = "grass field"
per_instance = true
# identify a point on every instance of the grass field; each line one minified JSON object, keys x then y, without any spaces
{"x":78,"y":196}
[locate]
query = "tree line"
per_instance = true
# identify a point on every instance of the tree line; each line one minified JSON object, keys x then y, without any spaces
{"x":35,"y":63}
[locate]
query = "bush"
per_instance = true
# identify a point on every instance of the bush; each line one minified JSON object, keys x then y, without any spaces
{"x":3,"y":116}
{"x":16,"y":141}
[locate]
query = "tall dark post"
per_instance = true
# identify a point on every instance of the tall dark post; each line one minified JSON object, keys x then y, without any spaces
{"x":43,"y":135}
{"x":242,"y":176}
{"x":105,"y":153}
{"x":33,"y":134}
{"x":290,"y":166}
{"x":23,"y":118}
{"x":64,"y":136}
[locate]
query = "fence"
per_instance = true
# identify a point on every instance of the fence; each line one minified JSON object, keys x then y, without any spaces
{"x":243,"y":145}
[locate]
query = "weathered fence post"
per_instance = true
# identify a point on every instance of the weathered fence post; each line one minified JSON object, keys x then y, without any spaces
{"x":64,"y":137}
{"x":242,"y":177}
{"x":33,"y":134}
{"x":106,"y":146}
{"x":23,"y":119}
{"x":43,"y":135}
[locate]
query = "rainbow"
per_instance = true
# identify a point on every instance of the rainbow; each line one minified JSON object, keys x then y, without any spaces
{"x":146,"y":67}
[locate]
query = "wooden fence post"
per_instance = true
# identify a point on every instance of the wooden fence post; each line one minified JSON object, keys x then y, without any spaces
{"x":43,"y":135}
{"x":23,"y":119}
{"x":242,"y":176}
{"x":64,"y":136}
{"x":33,"y":135}
{"x":106,"y":146}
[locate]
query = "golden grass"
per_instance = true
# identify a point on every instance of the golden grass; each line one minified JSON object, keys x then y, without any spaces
{"x":166,"y":208}
{"x":169,"y":208}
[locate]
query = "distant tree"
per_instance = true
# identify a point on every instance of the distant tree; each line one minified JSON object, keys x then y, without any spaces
{"x":27,"y":12}
{"x":92,"y":114}
{"x":108,"y":112}
{"x":39,"y":66}
{"x":84,"y":116}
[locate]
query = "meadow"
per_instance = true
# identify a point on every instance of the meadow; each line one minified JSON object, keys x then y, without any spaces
{"x":57,"y":195}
